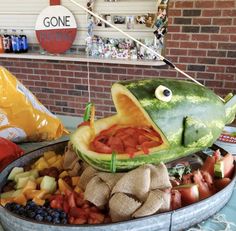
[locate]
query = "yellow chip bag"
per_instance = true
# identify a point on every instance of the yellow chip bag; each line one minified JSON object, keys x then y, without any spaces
{"x":22,"y":116}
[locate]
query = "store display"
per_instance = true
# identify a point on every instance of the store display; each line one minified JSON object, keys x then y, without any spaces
{"x":16,"y":104}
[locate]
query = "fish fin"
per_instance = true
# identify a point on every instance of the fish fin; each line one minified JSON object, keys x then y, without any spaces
{"x":230,"y":109}
{"x":196,"y":133}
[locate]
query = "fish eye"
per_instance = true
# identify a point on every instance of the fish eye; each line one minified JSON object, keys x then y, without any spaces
{"x":163,"y":93}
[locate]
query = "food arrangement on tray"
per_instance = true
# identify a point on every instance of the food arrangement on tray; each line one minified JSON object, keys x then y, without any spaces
{"x":60,"y":189}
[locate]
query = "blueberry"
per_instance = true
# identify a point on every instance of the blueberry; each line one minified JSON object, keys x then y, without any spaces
{"x":56,"y":220}
{"x":17,"y":206}
{"x":64,"y":221}
{"x":63,"y":215}
{"x":31,"y":214}
{"x":21,"y":211}
{"x":55,"y":214}
{"x":48,"y":218}
{"x":8,"y":206}
{"x":38,"y":217}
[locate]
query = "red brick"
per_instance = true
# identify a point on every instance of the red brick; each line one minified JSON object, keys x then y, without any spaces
{"x":233,"y":38}
{"x":203,"y":75}
{"x":227,"y":62}
{"x":46,"y":78}
{"x":178,"y":52}
{"x":180,"y":36}
{"x":54,"y":85}
{"x":197,"y":52}
{"x":200,"y":37}
{"x":204,"y":4}
{"x":188,"y":45}
{"x":229,"y":13}
{"x":151,"y":73}
{"x":215,"y":69}
{"x":172,"y":44}
{"x":207,"y":45}
{"x":172,"y":29}
{"x":184,"y":4}
{"x":187,"y":59}
{"x":228,"y":30}
{"x":230,"y":69}
{"x":46,"y":65}
{"x":225,"y":4}
{"x":214,"y":83}
{"x":211,"y":13}
{"x":230,"y":84}
{"x":174,"y":13}
{"x":219,"y":37}
{"x":52,"y":72}
{"x":40,"y":84}
{"x":222,"y":21}
{"x":135,"y":72}
{"x":221,"y":76}
{"x":202,"y":21}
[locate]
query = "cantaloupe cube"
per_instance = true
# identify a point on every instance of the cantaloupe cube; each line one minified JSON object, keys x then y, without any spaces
{"x":77,"y":189}
{"x":38,"y":201}
{"x":21,"y":199}
{"x":30,"y":185}
{"x":33,"y":193}
{"x":4,"y":201}
{"x":75,"y":180}
{"x":64,"y":187}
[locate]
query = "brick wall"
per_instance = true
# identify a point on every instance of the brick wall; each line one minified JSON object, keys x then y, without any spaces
{"x":201,"y":41}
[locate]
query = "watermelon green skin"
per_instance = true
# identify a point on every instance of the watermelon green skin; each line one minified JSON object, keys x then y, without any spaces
{"x":191,"y":121}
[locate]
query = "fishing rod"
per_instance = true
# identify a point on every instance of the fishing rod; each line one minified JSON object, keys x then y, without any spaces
{"x":162,"y":58}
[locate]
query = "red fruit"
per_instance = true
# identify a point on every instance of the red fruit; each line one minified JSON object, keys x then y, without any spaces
{"x":175,"y":199}
{"x":188,"y":179}
{"x":80,"y":221}
{"x":100,"y":146}
{"x":71,"y":220}
{"x":221,"y":183}
{"x":228,"y":165}
{"x":208,"y":165}
{"x":66,"y":206}
{"x":75,"y":212}
{"x":189,"y":193}
{"x":71,"y":200}
{"x":116,"y":144}
{"x":204,"y":190}
{"x":56,"y":204}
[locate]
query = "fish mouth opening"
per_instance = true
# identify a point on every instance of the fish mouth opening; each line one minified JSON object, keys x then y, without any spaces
{"x":131,"y":132}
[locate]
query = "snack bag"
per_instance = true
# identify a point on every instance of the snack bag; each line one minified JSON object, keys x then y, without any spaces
{"x":22,"y":116}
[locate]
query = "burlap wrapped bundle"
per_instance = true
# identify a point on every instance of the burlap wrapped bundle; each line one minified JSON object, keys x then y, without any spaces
{"x":86,"y":176}
{"x":138,"y":193}
{"x":159,"y":176}
{"x":136,"y":182}
{"x":122,"y":207}
{"x":97,"y":192}
{"x":110,"y":178}
{"x":150,"y":206}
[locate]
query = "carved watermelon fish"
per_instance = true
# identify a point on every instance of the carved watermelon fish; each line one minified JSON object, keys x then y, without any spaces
{"x":188,"y":118}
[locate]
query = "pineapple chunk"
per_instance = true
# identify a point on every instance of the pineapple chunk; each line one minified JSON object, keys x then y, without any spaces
{"x":63,"y":174}
{"x":22,"y":181}
{"x":42,"y":165}
{"x":49,"y":154}
{"x":52,"y":160}
{"x":30,"y":185}
{"x":57,"y":164}
{"x":75,"y":180}
{"x":15,"y":171}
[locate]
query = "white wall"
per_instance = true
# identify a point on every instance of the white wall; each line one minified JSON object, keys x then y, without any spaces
{"x":22,"y":14}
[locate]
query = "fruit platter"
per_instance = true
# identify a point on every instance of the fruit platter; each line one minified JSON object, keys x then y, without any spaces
{"x":50,"y":189}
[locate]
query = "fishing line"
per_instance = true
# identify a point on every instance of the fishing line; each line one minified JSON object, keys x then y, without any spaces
{"x":162,"y":58}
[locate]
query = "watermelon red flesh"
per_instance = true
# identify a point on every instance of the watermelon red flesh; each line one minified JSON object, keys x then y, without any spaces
{"x":125,"y":140}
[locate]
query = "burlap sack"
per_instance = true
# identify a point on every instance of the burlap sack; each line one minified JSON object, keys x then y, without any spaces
{"x":150,"y":206}
{"x":122,"y":207}
{"x":70,"y":158}
{"x":136,"y":182}
{"x":110,"y":178}
{"x":166,"y":197}
{"x":159,"y":176}
{"x":86,"y":176}
{"x":97,"y":192}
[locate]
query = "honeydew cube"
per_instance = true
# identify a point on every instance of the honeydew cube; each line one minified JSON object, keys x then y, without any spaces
{"x":15,"y":171}
{"x":22,"y":181}
{"x":49,"y":154}
{"x":48,"y":184}
{"x":35,"y":173}
{"x":6,"y":194}
{"x":22,"y":174}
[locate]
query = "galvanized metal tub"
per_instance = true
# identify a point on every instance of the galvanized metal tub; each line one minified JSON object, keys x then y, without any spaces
{"x":179,"y":219}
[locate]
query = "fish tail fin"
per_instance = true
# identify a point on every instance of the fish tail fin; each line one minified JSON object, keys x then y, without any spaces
{"x":230,"y":108}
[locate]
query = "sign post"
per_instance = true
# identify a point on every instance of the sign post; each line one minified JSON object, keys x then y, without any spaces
{"x":56,"y":28}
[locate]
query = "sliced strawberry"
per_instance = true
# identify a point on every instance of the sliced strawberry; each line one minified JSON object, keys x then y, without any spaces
{"x":175,"y":199}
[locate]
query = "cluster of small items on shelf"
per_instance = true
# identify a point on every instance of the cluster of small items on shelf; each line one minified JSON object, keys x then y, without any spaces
{"x":13,"y":42}
{"x":121,"y":48}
